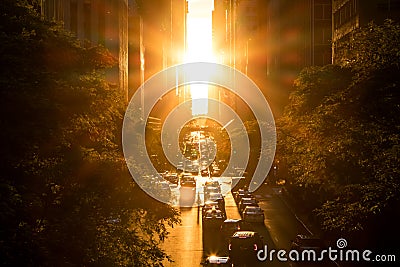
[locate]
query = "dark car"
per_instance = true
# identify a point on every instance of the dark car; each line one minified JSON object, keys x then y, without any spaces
{"x":213,"y":218}
{"x":243,"y":246}
{"x":303,"y":242}
{"x":209,"y":205}
{"x":247,"y":202}
{"x":311,"y":243}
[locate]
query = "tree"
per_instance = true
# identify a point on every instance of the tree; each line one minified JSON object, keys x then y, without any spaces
{"x":340,"y":136}
{"x":66,"y":196}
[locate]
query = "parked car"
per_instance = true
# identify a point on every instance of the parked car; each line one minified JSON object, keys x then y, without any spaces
{"x":311,"y":243}
{"x":303,"y":242}
{"x":244,"y":202}
{"x":243,"y":247}
{"x":253,"y":214}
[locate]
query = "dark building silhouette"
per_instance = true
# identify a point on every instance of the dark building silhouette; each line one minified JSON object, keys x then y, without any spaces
{"x":157,"y":40}
{"x":348,"y":15}
{"x":157,"y":37}
{"x":272,"y":40}
{"x":97,"y":22}
{"x":299,"y":34}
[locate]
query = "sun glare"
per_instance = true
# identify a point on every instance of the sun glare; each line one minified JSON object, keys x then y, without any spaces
{"x":199,"y":40}
{"x":199,"y":47}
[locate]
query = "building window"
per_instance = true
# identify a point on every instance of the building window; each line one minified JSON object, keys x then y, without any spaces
{"x":345,"y":13}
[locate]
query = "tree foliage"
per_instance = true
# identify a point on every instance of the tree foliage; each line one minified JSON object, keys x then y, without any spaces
{"x":65,"y":193}
{"x":340,"y":134}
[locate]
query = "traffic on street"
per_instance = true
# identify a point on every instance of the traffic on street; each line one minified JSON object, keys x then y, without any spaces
{"x":223,"y":225}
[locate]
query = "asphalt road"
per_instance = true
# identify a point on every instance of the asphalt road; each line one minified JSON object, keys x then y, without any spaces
{"x":185,"y":244}
{"x":188,"y":244}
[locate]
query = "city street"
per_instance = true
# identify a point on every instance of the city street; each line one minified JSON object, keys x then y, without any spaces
{"x":188,"y":243}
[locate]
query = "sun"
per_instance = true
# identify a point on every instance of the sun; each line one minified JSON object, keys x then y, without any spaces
{"x":199,"y":40}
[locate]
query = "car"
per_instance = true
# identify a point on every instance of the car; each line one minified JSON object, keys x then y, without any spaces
{"x":208,"y":205}
{"x":208,"y":190}
{"x":306,"y":242}
{"x":242,"y":193}
{"x":213,"y":218}
{"x":188,"y":181}
{"x":244,"y":202}
{"x":230,"y":226}
{"x":253,"y":214}
{"x":217,"y":261}
{"x":212,"y":183}
{"x":218,"y":197}
{"x":243,"y":247}
{"x":311,"y":243}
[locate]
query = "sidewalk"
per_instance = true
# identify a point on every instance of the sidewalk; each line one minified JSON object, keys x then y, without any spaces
{"x":301,"y":216}
{"x":290,"y":203}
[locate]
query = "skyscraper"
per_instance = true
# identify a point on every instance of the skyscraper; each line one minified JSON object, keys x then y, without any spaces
{"x":348,"y":15}
{"x":97,"y":22}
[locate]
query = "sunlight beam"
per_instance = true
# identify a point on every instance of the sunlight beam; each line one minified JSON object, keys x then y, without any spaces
{"x":199,"y":48}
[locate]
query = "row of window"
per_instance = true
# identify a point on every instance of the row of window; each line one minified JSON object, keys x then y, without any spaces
{"x":345,"y":13}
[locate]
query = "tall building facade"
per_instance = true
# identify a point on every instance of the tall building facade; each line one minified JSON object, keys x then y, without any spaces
{"x":157,"y":40}
{"x":348,"y":15}
{"x":298,"y":35}
{"x":224,"y":22}
{"x":251,"y":38}
{"x":101,"y":22}
{"x":157,"y":37}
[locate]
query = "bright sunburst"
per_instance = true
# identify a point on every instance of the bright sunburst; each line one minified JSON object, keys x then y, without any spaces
{"x":199,"y":41}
